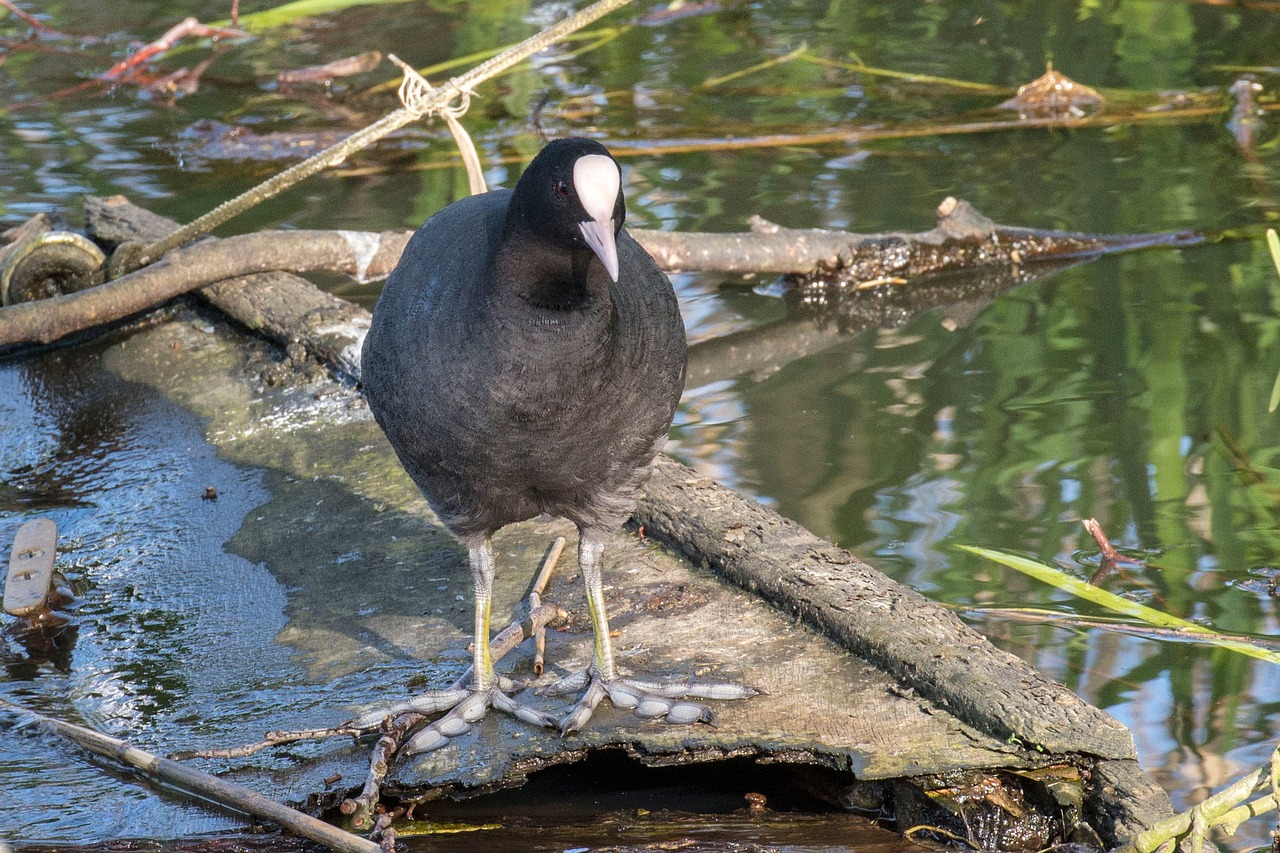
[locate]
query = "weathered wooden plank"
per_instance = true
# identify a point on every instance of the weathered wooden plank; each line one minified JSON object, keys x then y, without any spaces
{"x":29,"y":582}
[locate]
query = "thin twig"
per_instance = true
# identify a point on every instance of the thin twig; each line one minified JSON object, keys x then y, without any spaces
{"x":394,"y":728}
{"x":30,"y":19}
{"x":270,"y":739}
{"x":535,"y":601}
{"x":1111,"y":558}
{"x":201,"y":784}
{"x":186,"y":27}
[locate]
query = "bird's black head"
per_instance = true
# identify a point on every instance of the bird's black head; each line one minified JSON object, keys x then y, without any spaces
{"x":571,"y":197}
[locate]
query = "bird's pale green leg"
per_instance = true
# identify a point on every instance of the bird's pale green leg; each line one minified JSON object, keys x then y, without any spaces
{"x":590,"y":563}
{"x":465,"y":706}
{"x":649,"y":699}
{"x":481,"y":559}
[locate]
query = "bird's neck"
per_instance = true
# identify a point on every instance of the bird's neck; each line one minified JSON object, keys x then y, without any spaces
{"x":548,"y":281}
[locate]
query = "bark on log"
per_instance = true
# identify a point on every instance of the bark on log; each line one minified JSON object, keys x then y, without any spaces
{"x":963,"y":239}
{"x":196,"y":266}
{"x":919,"y":642}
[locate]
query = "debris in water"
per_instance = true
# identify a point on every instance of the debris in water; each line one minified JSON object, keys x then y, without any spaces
{"x":1053,"y":95}
{"x":359,"y":64}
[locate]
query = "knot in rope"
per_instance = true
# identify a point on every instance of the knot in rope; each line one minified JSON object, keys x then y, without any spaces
{"x":420,"y":98}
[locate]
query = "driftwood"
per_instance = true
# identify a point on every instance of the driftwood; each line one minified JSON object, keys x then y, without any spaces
{"x":963,"y":239}
{"x":195,"y":266}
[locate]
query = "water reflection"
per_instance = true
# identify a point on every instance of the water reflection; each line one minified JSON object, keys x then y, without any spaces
{"x":122,"y":474}
{"x":1130,"y":390}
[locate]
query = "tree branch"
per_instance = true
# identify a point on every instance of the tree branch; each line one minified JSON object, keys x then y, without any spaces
{"x":963,"y":239}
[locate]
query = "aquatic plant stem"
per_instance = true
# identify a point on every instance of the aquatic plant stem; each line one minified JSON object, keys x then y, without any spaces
{"x":1116,"y":603}
{"x":1227,"y":809}
{"x":200,"y":784}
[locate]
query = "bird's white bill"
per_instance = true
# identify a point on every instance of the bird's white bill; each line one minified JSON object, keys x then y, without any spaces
{"x":599,"y":236}
{"x":597,"y":182}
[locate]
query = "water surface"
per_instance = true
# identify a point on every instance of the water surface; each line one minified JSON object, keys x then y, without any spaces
{"x":1133,"y":389}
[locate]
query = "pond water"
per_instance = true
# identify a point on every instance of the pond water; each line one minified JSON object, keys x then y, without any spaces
{"x":1133,"y":390}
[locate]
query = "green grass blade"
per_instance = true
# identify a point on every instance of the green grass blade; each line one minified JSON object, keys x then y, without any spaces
{"x":1115,"y":603}
{"x":1273,"y":245}
{"x":259,"y":22}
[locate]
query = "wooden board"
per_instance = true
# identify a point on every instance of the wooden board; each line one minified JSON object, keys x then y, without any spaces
{"x":27,"y":585}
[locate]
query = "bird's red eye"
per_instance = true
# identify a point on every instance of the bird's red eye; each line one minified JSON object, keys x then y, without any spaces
{"x":562,"y":189}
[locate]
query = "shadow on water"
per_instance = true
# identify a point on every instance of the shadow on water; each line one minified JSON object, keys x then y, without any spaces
{"x":609,"y":802}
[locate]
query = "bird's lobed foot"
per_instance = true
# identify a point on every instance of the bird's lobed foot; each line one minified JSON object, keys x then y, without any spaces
{"x":462,"y":707}
{"x":649,"y":699}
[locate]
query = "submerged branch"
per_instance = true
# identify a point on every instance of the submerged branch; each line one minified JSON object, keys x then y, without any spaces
{"x":1226,"y":809}
{"x":201,"y":784}
{"x":962,"y":239}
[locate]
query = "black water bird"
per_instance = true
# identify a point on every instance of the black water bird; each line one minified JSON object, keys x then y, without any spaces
{"x":526,"y":357}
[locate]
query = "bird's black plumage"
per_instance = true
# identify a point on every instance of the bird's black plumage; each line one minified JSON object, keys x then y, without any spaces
{"x":526,"y":357}
{"x":511,"y":375}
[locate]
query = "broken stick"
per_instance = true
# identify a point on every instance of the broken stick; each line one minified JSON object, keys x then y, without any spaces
{"x":200,"y":784}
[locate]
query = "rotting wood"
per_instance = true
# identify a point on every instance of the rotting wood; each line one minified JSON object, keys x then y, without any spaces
{"x":676,"y":497}
{"x":186,"y":269}
{"x":902,"y":632}
{"x":331,"y":328}
{"x":893,"y":627}
{"x":962,"y":239}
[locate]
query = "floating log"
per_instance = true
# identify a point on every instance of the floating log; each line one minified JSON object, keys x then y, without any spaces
{"x":890,"y":686}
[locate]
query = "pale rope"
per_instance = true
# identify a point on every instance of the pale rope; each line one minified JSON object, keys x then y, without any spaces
{"x":419,"y":97}
{"x":367,"y":136}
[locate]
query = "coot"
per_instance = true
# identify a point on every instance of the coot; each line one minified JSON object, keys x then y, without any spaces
{"x":526,"y":357}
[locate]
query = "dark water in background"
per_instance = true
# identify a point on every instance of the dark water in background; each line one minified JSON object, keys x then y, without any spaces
{"x":1116,"y":390}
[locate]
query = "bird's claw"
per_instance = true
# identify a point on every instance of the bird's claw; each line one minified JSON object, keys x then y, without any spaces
{"x":464,"y":706}
{"x":647,"y":699}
